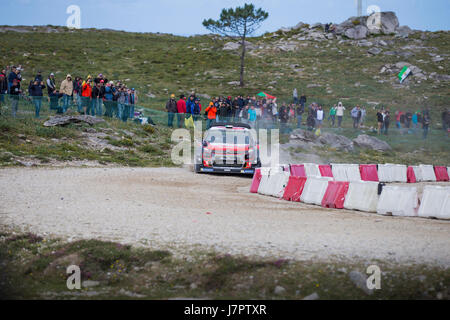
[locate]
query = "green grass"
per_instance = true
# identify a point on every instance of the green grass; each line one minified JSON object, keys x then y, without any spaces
{"x":28,"y":139}
{"x":34,"y":267}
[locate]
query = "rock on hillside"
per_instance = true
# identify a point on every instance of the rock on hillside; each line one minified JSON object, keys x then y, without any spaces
{"x":368,"y":142}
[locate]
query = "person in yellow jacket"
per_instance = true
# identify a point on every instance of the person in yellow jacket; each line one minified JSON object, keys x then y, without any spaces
{"x":66,"y":89}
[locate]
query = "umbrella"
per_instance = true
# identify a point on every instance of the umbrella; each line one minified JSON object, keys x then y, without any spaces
{"x":265,"y":95}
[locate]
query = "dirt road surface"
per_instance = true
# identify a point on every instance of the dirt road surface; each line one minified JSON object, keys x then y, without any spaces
{"x":177,"y":209}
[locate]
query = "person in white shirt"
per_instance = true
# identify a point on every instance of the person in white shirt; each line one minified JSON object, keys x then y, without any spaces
{"x":340,"y":113}
{"x":319,"y":117}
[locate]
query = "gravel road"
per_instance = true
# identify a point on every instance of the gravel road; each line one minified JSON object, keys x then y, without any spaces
{"x":177,"y":209}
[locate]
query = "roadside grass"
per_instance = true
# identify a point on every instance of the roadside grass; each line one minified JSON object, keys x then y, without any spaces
{"x":126,"y":144}
{"x":34,"y":267}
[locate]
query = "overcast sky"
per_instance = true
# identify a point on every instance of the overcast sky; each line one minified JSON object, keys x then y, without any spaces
{"x":184,"y":17}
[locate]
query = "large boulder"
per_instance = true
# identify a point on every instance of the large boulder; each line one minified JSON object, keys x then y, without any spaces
{"x":336,"y":141}
{"x":65,"y":120}
{"x":403,"y":31}
{"x":309,"y":139}
{"x":385,"y":22}
{"x":358,"y":32}
{"x":368,"y":142}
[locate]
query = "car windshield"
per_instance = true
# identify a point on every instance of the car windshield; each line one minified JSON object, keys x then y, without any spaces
{"x":228,"y":136}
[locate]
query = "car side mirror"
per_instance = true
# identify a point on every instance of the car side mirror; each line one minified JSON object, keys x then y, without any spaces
{"x":205,"y":143}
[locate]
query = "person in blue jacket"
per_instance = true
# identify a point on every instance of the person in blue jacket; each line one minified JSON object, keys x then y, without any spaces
{"x":36,"y":94}
{"x":190,"y":106}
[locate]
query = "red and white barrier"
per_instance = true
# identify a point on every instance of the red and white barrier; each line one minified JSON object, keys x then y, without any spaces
{"x":427,"y":172}
{"x":334,"y":196}
{"x":410,"y":175}
{"x":298,"y":170}
{"x":256,"y":180}
{"x":441,"y":173}
{"x":392,"y":172}
{"x":279,"y":182}
{"x":325,"y":171}
{"x":312,"y":170}
{"x":346,"y":172}
{"x":368,"y":172}
{"x":362,"y":196}
{"x":435,"y":202}
{"x":264,"y":185}
{"x":314,"y":190}
{"x":294,"y":188}
{"x":398,"y":201}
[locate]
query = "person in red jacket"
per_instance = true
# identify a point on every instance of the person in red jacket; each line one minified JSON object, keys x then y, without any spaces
{"x":211,"y":112}
{"x":181,"y":108}
{"x":86,"y":92}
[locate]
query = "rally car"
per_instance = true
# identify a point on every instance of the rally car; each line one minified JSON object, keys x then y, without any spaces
{"x":228,"y":148}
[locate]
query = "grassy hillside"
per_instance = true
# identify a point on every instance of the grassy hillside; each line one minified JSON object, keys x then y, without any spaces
{"x":156,"y":65}
{"x":161,"y":64}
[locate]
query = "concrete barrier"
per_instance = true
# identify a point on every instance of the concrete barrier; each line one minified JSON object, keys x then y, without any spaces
{"x":398,"y":201}
{"x":294,"y":188}
{"x":325,"y":171}
{"x":312,"y":170}
{"x":334,"y":196}
{"x":362,"y":196}
{"x":435,"y":202}
{"x":346,"y":172}
{"x":410,"y":175}
{"x":441,"y":173}
{"x":256,"y":181}
{"x":298,"y":170}
{"x":279,"y":182}
{"x":427,"y":172}
{"x":392,"y":172}
{"x":314,"y":190}
{"x":368,"y":172}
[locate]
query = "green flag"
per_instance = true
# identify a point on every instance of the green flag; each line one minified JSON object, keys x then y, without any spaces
{"x":404,"y":73}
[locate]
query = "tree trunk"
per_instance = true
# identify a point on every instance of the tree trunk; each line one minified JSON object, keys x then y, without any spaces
{"x":242,"y":62}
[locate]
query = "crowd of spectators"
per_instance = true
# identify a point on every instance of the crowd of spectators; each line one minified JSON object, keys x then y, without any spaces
{"x":100,"y":97}
{"x":90,"y":96}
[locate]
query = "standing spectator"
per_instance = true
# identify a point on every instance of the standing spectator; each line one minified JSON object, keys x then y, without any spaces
{"x":386,"y":121}
{"x":36,"y":95}
{"x":332,"y":115}
{"x":38,"y":77}
{"x":310,"y":121}
{"x":95,"y":95}
{"x":121,"y":100}
{"x":190,"y":106}
{"x":77,"y":93}
{"x":426,"y":121}
{"x":171,"y":107}
{"x":223,"y":112}
{"x":446,"y":120}
{"x":211,"y":113}
{"x":299,"y":112}
{"x":284,"y":117}
{"x":408,"y":119}
{"x":415,"y":121}
{"x":340,"y":113}
{"x":133,"y":100}
{"x":398,"y":115}
{"x":15,"y":92}
{"x":252,"y":116}
{"x":302,"y":100}
{"x":354,"y":113}
{"x":197,"y":109}
{"x":3,"y":88}
{"x":66,"y":89}
{"x":363,"y":116}
{"x":86,"y":92}
{"x":11,"y":77}
{"x":380,"y":121}
{"x":51,"y":84}
{"x":295,"y":96}
{"x":319,"y":117}
{"x":108,"y":98}
{"x":181,"y":110}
